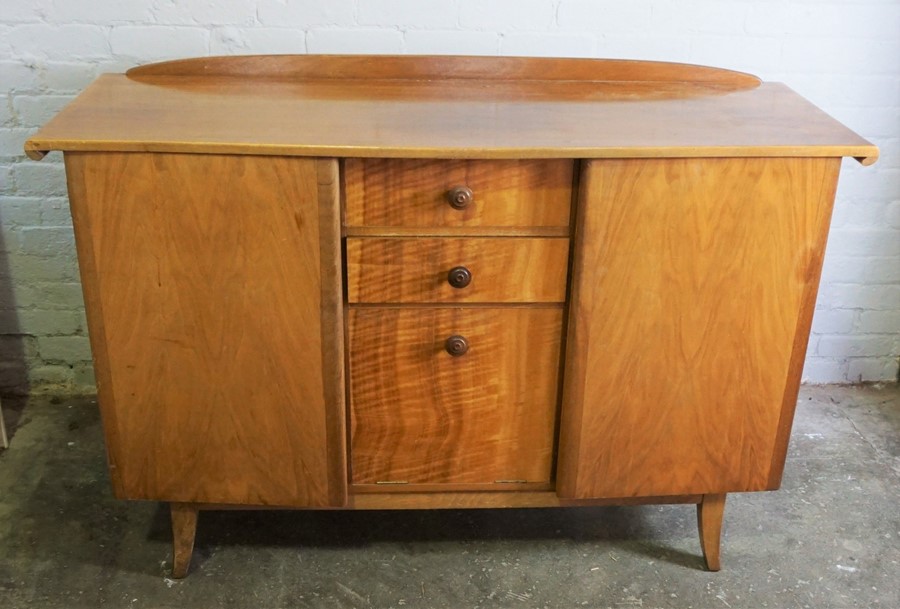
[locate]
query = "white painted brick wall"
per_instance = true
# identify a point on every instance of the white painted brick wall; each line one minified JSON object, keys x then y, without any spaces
{"x":844,"y":55}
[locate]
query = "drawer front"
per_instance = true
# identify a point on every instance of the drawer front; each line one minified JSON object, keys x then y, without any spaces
{"x":501,"y":270}
{"x":416,"y":193}
{"x":423,"y":416}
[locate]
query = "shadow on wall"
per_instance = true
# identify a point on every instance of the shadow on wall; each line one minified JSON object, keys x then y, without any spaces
{"x":14,"y":345}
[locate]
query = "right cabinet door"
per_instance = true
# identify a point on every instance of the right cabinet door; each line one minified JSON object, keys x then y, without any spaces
{"x":694,"y":283}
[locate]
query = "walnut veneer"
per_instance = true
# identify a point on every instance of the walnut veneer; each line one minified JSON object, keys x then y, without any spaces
{"x":426,"y":282}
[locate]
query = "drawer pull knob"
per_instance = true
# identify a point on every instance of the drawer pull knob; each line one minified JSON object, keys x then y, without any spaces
{"x":459,"y":277}
{"x":456,"y":345}
{"x":460,"y":197}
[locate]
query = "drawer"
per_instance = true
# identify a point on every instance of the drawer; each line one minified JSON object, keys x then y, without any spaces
{"x":501,"y":270}
{"x":418,"y":193}
{"x":420,"y":415}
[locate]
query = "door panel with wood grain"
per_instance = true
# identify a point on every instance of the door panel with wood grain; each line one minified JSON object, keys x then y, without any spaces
{"x":694,"y":283}
{"x":213,"y":296}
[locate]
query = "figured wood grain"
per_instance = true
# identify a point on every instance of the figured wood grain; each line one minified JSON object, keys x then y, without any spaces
{"x":207,"y":283}
{"x":679,"y":353}
{"x":421,"y":416}
{"x":637,"y":112}
{"x":413,"y":193}
{"x":410,"y":270}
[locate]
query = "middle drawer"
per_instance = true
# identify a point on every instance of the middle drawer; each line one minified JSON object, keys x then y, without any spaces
{"x":459,"y":270}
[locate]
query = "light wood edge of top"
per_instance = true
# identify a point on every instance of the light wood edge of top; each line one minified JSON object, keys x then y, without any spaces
{"x":36,"y":149}
{"x":869,"y":159}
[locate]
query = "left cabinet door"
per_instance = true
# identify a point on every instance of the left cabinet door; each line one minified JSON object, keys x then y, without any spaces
{"x":213,"y":293}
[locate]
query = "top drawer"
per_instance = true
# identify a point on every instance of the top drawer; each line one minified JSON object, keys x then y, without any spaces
{"x":417,"y":193}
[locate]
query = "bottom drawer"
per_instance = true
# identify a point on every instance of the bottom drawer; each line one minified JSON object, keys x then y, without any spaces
{"x":420,"y":415}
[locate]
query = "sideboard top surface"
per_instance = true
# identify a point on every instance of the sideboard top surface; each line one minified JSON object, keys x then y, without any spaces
{"x":444,"y":107}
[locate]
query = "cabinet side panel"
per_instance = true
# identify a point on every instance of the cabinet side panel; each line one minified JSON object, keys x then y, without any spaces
{"x":76,"y":179}
{"x":693,"y":282}
{"x":825,"y":199}
{"x":204,"y":285}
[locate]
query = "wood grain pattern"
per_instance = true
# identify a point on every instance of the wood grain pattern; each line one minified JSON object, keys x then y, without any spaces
{"x":450,"y":67}
{"x":460,"y":118}
{"x":413,"y":193}
{"x":206,"y":289}
{"x":184,"y":529}
{"x":507,"y":270}
{"x":679,"y":352}
{"x":421,"y":416}
{"x":710,"y":511}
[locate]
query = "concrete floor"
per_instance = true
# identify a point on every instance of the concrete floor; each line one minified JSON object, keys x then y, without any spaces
{"x":829,"y":538}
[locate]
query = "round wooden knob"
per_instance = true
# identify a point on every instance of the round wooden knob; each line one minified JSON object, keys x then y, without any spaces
{"x":456,"y":345}
{"x":460,"y":197}
{"x":459,"y":277}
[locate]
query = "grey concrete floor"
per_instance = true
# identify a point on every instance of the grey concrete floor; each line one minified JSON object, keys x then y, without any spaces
{"x":829,"y":538}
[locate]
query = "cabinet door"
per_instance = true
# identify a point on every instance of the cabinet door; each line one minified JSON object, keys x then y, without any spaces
{"x":693,"y":291}
{"x":212,"y":290}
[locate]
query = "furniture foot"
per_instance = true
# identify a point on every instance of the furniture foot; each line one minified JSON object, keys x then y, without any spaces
{"x":709,"y":522}
{"x":184,"y":527}
{"x":4,"y":442}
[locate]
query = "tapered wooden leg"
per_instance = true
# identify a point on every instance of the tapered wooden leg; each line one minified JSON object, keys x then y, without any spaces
{"x":184,"y":528}
{"x":4,"y":443}
{"x":709,"y":521}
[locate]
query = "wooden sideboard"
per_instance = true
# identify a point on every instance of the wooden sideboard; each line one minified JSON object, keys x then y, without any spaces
{"x":428,"y":282}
